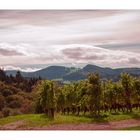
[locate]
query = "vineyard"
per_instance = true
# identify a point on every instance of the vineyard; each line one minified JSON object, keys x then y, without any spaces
{"x":91,"y":96}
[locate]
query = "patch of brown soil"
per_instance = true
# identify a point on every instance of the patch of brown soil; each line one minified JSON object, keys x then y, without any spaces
{"x":20,"y":125}
{"x":13,"y":126}
{"x":92,"y":126}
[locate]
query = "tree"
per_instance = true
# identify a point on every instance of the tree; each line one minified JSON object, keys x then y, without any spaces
{"x":19,"y":77}
{"x":47,"y":97}
{"x":126,"y":81}
{"x":113,"y":96}
{"x":82,"y":99}
{"x":136,"y":92}
{"x":109,"y":97}
{"x":136,"y":85}
{"x":2,"y":102}
{"x":94,"y":89}
{"x":2,"y":75}
{"x":61,"y":102}
{"x":67,"y":90}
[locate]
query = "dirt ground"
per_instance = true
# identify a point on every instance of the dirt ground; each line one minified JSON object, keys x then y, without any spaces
{"x":21,"y":125}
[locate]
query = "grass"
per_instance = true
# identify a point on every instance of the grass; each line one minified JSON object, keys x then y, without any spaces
{"x":41,"y":119}
{"x":32,"y":120}
{"x":122,"y":116}
{"x":132,"y":128}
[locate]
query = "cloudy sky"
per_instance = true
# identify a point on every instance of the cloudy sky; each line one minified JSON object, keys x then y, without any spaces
{"x":107,"y":38}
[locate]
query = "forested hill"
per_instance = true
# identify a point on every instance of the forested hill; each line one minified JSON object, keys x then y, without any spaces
{"x":72,"y":73}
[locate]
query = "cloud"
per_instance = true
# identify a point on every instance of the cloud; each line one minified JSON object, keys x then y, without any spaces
{"x":100,"y":56}
{"x":10,"y":18}
{"x":75,"y":54}
{"x":5,"y":52}
{"x":14,"y":49}
{"x":61,"y":36}
{"x":58,"y":27}
{"x":26,"y":69}
{"x":134,"y":61}
{"x":81,"y":53}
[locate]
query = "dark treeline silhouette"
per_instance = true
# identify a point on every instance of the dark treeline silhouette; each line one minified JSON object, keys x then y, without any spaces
{"x":19,"y":81}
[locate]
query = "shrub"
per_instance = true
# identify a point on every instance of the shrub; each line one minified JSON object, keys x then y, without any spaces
{"x":14,"y":104}
{"x":2,"y":101}
{"x":7,"y":92}
{"x":26,"y":107}
{"x":14,"y":112}
{"x":1,"y":114}
{"x":14,"y":101}
{"x":6,"y":112}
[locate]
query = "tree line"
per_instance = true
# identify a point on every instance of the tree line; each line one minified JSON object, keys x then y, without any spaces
{"x":16,"y":95}
{"x":92,"y":95}
{"x":24,"y":83}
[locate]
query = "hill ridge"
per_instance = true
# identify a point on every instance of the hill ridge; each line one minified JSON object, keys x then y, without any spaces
{"x":74,"y":73}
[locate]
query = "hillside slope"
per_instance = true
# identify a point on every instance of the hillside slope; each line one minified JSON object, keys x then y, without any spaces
{"x":74,"y":74}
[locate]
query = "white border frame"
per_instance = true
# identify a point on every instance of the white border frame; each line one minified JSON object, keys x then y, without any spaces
{"x":69,"y":4}
{"x":69,"y":135}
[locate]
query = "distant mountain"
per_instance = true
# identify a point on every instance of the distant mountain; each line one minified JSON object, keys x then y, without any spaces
{"x":52,"y":72}
{"x":74,"y":74}
{"x":94,"y":68}
{"x":109,"y":73}
{"x":105,"y":73}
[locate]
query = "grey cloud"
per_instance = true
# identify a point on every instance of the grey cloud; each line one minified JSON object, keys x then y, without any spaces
{"x":126,"y":47}
{"x":134,"y":61}
{"x":6,"y":52}
{"x":46,"y":17}
{"x":73,"y":53}
{"x":81,"y":54}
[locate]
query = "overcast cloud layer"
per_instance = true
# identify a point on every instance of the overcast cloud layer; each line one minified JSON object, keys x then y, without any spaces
{"x":105,"y":38}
